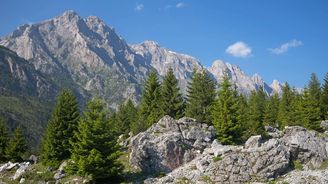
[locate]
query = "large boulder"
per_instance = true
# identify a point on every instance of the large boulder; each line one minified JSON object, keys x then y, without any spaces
{"x":23,"y":167}
{"x":236,"y":164}
{"x":306,"y":146}
{"x":169,"y":143}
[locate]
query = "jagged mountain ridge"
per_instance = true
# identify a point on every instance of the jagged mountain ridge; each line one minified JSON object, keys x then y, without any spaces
{"x":89,"y":54}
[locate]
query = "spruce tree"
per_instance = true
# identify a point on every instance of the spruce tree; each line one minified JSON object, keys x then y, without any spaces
{"x":62,"y":124}
{"x":286,"y":107}
{"x":314,"y":88}
{"x":124,"y":118}
{"x":3,"y":139}
{"x":16,"y":147}
{"x":256,"y":112}
{"x":224,"y":114}
{"x":150,"y":111}
{"x":271,"y":111}
{"x":95,"y":150}
{"x":200,"y":96}
{"x":324,"y":99}
{"x":172,"y":101}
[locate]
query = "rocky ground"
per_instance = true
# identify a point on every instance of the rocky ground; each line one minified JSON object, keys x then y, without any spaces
{"x":186,"y":151}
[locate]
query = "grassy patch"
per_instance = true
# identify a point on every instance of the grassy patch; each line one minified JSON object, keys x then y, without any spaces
{"x":160,"y":174}
{"x":207,"y":179}
{"x":183,"y":180}
{"x":324,"y":164}
{"x":217,"y":158}
{"x":297,"y":165}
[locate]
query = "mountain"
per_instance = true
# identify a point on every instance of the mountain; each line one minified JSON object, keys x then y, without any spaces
{"x":88,"y":57}
{"x":26,"y":95}
{"x":88,"y":54}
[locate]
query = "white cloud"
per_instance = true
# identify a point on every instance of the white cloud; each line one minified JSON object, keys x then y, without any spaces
{"x":239,"y":49}
{"x":181,"y":5}
{"x":139,"y":7}
{"x":286,"y":46}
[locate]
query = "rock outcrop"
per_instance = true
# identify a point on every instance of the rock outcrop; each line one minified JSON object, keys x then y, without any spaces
{"x":169,"y":143}
{"x":187,"y":152}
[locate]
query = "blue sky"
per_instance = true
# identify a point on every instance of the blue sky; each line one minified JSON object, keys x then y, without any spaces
{"x":281,"y":39}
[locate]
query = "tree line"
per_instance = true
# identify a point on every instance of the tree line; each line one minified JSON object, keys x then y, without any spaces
{"x":89,"y":139}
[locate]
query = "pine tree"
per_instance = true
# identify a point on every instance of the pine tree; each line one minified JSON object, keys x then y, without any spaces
{"x":286,"y":109}
{"x":224,"y":114}
{"x":95,"y":150}
{"x":150,"y":111}
{"x":324,"y":99}
{"x":62,"y":124}
{"x":172,"y":101}
{"x":314,"y":88}
{"x":256,"y":112}
{"x":200,"y":97}
{"x":124,"y":118}
{"x":3,"y":139}
{"x":271,"y":111}
{"x":309,"y":111}
{"x":16,"y":146}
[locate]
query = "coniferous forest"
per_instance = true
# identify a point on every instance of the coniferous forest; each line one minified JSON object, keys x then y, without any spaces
{"x":87,"y":138}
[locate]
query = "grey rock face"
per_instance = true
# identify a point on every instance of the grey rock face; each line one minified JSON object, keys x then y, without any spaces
{"x":306,"y":177}
{"x":169,"y":144}
{"x":306,"y":146}
{"x":238,"y":165}
{"x":259,"y":160}
{"x":23,"y":167}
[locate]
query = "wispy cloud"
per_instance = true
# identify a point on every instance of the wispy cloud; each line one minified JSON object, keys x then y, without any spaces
{"x":239,"y":49}
{"x":139,"y":7}
{"x":286,"y":46}
{"x":181,"y":5}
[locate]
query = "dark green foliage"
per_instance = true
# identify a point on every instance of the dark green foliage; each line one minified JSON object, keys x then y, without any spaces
{"x":271,"y":108}
{"x":324,"y":98}
{"x":3,"y":139}
{"x":16,"y":147}
{"x":124,"y":118}
{"x":257,"y":102}
{"x":224,"y":114}
{"x":286,"y":109}
{"x":172,"y":101}
{"x":62,"y":124}
{"x":150,"y":111}
{"x":314,"y":87}
{"x":95,"y":150}
{"x":200,"y":96}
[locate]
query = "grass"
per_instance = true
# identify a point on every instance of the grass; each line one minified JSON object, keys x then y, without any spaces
{"x":183,"y":180}
{"x":297,"y":165}
{"x":324,"y":164}
{"x":207,"y":180}
{"x":217,"y":158}
{"x":160,"y":174}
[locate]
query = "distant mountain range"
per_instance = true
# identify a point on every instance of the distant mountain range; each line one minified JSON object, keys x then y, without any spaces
{"x":87,"y":56}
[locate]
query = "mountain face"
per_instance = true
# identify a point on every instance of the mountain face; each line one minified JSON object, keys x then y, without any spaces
{"x":26,"y":95}
{"x":87,"y":55}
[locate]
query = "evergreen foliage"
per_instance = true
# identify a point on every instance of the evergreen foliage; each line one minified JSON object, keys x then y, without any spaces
{"x":286,"y":109}
{"x":324,"y":98}
{"x":62,"y":124}
{"x":150,"y":110}
{"x":3,"y":139}
{"x":271,"y":108}
{"x":16,"y":147}
{"x":200,"y":96}
{"x":123,"y":120}
{"x":172,"y":101}
{"x":225,"y":115}
{"x":95,"y":150}
{"x":257,"y":102}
